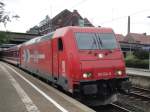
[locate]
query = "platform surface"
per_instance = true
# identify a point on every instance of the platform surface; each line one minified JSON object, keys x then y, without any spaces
{"x":139,"y":72}
{"x":21,"y":92}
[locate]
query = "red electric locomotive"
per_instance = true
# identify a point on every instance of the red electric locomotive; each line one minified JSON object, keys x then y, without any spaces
{"x":82,"y":60}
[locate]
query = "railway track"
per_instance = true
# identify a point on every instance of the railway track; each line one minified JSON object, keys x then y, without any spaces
{"x":141,"y":93}
{"x":111,"y":108}
{"x":129,"y":105}
{"x":118,"y":108}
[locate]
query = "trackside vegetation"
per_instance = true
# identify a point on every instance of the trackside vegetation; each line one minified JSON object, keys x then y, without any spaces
{"x":4,"y":38}
{"x":138,"y":59}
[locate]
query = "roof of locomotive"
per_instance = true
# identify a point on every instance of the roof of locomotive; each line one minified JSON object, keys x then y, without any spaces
{"x":62,"y":31}
{"x":39,"y":39}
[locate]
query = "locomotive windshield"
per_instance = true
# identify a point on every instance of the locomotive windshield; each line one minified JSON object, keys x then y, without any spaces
{"x":94,"y":41}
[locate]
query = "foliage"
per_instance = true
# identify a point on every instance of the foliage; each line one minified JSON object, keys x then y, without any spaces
{"x":4,"y":15}
{"x":130,"y":56}
{"x":141,"y":54}
{"x":136,"y":63}
{"x":133,"y":61}
{"x":4,"y":38}
{"x":5,"y":18}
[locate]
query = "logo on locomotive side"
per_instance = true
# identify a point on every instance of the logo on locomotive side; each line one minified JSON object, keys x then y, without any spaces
{"x":36,"y":56}
{"x":26,"y":55}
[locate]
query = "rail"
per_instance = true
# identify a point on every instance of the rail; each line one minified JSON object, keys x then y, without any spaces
{"x":119,"y":108}
{"x":141,"y":93}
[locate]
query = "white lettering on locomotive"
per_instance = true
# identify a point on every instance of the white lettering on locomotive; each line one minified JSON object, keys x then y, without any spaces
{"x":36,"y":56}
{"x":104,"y":74}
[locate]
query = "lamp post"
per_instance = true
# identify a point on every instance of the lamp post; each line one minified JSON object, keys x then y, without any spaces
{"x":149,"y":50}
{"x":149,"y":58}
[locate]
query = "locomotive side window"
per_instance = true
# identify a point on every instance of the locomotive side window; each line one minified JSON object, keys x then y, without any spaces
{"x":60,"y":44}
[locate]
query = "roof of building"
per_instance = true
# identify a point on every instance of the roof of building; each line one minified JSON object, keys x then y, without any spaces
{"x":120,"y":37}
{"x":67,"y":18}
{"x":62,"y":13}
{"x":137,"y":38}
{"x":64,"y":18}
{"x":134,"y":38}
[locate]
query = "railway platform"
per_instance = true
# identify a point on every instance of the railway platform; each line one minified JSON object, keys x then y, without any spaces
{"x":21,"y":92}
{"x":138,"y":72}
{"x":139,"y":77}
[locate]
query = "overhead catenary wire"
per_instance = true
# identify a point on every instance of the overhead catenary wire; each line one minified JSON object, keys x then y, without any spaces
{"x":78,"y":3}
{"x":123,"y":17}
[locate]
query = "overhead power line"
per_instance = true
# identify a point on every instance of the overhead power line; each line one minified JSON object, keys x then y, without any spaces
{"x":79,"y":3}
{"x":122,"y":17}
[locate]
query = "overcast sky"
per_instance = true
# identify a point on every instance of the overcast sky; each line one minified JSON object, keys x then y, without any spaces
{"x":106,"y":13}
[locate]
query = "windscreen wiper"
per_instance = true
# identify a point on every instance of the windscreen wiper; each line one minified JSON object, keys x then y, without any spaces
{"x":93,"y":43}
{"x":99,"y":41}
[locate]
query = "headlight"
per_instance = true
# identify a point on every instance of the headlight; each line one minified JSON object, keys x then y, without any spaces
{"x":119,"y":72}
{"x":100,"y":55}
{"x":87,"y":75}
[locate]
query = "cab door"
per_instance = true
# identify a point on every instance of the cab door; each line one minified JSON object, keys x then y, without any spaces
{"x":56,"y":48}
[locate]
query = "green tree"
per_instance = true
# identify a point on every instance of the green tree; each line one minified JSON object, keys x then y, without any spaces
{"x":4,"y":19}
{"x":4,"y":38}
{"x":4,"y":16}
{"x":141,"y":54}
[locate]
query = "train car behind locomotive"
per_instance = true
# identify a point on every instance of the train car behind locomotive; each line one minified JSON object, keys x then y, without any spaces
{"x":11,"y":55}
{"x":85,"y":61}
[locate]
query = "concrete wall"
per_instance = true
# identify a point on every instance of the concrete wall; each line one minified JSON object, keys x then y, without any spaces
{"x":140,"y":81}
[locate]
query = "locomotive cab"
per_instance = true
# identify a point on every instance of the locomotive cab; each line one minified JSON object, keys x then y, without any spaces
{"x":96,"y":65}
